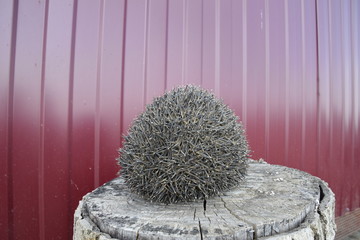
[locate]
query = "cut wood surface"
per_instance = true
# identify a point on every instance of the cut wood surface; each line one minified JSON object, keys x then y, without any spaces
{"x":274,"y":202}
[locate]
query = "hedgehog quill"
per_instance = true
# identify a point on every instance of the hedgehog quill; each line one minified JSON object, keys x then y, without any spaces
{"x":186,"y":145}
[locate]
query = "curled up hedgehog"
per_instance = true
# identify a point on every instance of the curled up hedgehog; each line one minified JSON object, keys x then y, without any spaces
{"x":186,"y":145}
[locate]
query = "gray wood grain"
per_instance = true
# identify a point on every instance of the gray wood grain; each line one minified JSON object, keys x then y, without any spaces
{"x":273,"y":200}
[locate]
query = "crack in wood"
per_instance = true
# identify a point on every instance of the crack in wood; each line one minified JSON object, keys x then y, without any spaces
{"x":322,"y":195}
{"x":137,"y":234}
{"x":321,"y":216}
{"x":240,"y":219}
{"x":201,"y":233}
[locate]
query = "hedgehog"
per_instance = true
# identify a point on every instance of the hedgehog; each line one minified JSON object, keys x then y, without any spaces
{"x":187,"y":145}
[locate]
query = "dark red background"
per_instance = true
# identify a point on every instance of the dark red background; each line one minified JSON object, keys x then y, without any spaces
{"x":74,"y":73}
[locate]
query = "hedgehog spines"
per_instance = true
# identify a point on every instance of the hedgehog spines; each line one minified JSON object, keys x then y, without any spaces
{"x":186,"y":145}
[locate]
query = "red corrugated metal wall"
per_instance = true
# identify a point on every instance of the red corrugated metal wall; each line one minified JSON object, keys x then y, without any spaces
{"x":339,"y":99}
{"x":74,"y":73}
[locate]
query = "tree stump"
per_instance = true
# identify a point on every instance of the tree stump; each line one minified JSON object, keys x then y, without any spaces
{"x":274,"y":202}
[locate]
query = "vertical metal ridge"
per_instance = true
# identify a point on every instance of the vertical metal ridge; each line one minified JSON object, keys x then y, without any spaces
{"x":185,"y":42}
{"x":202,"y":44}
{"x":70,"y":111}
{"x":267,"y":79}
{"x":352,"y":112}
{"x":329,"y":17}
{"x":98,"y":97}
{"x":287,"y":83}
{"x":123,"y":69}
{"x":330,"y":114}
{"x":166,"y":45}
{"x":347,"y":105}
{"x":347,"y":98}
{"x":10,"y":193}
{"x":355,"y":57}
{"x":353,"y":101}
{"x":330,"y":103}
{"x":146,"y":52}
{"x":357,"y":122}
{"x":317,"y":88}
{"x":244,"y":62}
{"x":217,"y":48}
{"x":331,"y":100}
{"x":343,"y":106}
{"x":41,"y":175}
{"x":231,"y":41}
{"x":303,"y":85}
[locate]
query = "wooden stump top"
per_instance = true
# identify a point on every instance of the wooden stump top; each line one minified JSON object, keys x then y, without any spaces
{"x":272,"y":200}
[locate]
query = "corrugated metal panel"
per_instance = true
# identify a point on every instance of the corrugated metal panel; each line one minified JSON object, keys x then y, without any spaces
{"x":339,"y":55}
{"x":73,"y":75}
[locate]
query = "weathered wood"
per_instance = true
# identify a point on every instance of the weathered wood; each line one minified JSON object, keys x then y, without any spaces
{"x":274,"y":202}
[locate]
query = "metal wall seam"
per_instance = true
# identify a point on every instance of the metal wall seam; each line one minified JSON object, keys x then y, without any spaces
{"x":41,"y":164}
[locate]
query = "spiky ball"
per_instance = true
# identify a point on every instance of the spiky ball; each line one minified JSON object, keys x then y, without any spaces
{"x":186,"y":145}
